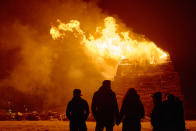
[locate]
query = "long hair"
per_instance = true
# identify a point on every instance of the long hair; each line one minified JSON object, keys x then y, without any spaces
{"x":131,"y":95}
{"x":132,"y":104}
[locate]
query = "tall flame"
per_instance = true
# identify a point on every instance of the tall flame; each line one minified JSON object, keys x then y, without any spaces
{"x":109,"y":43}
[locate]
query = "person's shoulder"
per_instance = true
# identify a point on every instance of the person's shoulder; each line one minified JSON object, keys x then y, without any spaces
{"x":84,"y":102}
{"x":165,"y":104}
{"x":96,"y":93}
{"x":71,"y":101}
{"x":113,"y":93}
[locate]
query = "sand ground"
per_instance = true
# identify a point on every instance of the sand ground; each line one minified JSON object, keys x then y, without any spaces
{"x":64,"y":126}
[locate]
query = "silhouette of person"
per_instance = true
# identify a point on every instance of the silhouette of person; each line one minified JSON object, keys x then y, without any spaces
{"x":132,"y":111}
{"x":105,"y":107}
{"x":77,"y":112}
{"x":173,"y":115}
{"x":156,"y":115}
{"x":180,"y":115}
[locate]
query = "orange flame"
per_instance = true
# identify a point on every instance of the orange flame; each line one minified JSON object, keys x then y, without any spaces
{"x":110,"y":43}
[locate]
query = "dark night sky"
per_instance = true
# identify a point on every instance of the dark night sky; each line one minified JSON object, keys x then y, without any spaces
{"x":171,"y":25}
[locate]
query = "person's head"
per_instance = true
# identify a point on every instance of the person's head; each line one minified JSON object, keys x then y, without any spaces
{"x":131,"y":94}
{"x":106,"y":84}
{"x":77,"y":93}
{"x":171,"y":97}
{"x":132,"y":91}
{"x":157,"y":98}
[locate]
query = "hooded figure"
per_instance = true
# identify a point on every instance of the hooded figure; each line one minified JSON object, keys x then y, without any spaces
{"x":77,"y":112}
{"x":105,"y":107}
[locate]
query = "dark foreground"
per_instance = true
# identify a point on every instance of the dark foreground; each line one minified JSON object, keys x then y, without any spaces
{"x":64,"y":126}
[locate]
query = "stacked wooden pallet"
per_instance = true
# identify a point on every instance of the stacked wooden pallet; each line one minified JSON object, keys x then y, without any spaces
{"x":147,"y":79}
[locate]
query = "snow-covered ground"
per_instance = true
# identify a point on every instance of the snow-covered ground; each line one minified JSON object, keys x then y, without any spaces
{"x":64,"y":126}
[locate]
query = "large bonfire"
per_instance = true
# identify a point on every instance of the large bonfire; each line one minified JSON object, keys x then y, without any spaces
{"x":109,"y":43}
{"x":141,"y":64}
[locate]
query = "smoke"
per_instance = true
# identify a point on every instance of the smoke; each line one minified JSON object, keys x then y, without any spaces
{"x":33,"y":63}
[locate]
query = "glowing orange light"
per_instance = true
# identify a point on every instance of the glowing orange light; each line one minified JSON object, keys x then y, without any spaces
{"x":112,"y":43}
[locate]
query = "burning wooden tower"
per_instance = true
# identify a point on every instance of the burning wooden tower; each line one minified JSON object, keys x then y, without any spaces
{"x":146,"y":79}
{"x":147,"y":68}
